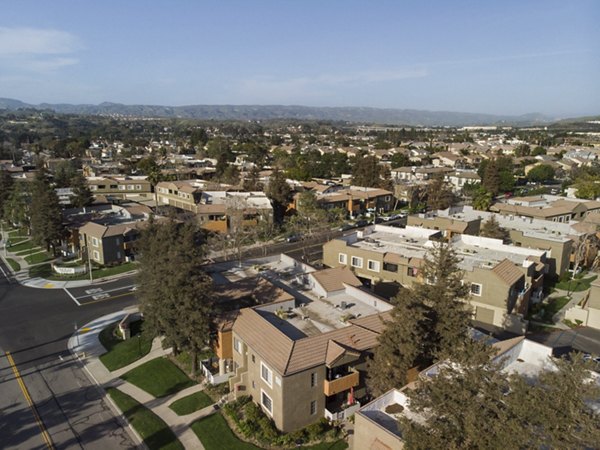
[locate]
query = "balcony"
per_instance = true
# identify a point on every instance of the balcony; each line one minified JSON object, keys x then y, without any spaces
{"x":341,"y":413}
{"x":341,"y":383}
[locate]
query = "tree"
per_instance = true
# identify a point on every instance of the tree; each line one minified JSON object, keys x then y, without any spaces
{"x":522,"y":150}
{"x":6,"y":187}
{"x":492,"y":229}
{"x":588,"y":186}
{"x":491,"y":178}
{"x":17,"y":206}
{"x":474,"y":404}
{"x":401,"y":343}
{"x":174,"y":290}
{"x":252,"y":180}
{"x":430,"y":320}
{"x":280,"y":194}
{"x":439,"y":194}
{"x":400,"y":160}
{"x":541,"y":173}
{"x":310,"y":218}
{"x":499,"y":178}
{"x":538,"y":151}
{"x":64,"y":173}
{"x":45,"y":212}
{"x":482,"y":199}
{"x":366,"y":171}
{"x":82,"y":194}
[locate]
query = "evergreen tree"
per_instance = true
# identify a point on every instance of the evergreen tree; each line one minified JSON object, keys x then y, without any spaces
{"x":6,"y":186}
{"x":280,"y":194}
{"x":82,"y":194}
{"x":492,"y":229}
{"x":482,"y":200}
{"x":18,"y":205}
{"x":366,"y":171}
{"x":175,"y":292}
{"x":491,"y":178}
{"x":252,"y":180}
{"x":45,"y":212}
{"x":400,"y":344}
{"x":439,"y":194}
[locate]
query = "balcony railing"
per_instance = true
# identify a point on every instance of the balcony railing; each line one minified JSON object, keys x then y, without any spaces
{"x":342,"y":414}
{"x":341,"y":384}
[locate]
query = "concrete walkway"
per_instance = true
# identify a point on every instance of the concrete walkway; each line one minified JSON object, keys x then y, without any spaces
{"x":85,"y":344}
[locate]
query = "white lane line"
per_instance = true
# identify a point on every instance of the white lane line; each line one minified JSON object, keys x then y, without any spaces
{"x":71,"y":295}
{"x":4,"y":273}
{"x":101,"y":291}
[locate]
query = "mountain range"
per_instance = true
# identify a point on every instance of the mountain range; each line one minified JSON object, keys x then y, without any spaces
{"x":410,"y":117}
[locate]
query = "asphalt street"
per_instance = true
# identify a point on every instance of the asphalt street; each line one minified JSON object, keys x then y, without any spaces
{"x":68,"y":409}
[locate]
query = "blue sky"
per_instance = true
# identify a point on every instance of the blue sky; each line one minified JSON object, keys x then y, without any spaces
{"x":502,"y":57}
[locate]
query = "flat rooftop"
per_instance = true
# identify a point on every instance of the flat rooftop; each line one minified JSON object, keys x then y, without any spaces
{"x":410,"y":243}
{"x":386,"y":411}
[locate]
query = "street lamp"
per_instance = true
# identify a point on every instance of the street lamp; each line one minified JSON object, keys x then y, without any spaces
{"x":139,"y":339}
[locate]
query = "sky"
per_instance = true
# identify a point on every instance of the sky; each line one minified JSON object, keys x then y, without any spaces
{"x":499,"y":57}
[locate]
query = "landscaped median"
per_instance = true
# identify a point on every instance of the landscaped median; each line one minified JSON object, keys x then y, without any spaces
{"x":158,"y":377}
{"x":121,"y":353}
{"x":14,"y":265}
{"x":191,"y":403}
{"x":151,"y":428}
{"x":45,"y":271}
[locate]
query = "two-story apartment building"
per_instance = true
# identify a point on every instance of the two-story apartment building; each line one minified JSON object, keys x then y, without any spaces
{"x":502,"y":278}
{"x":305,"y":359}
{"x":109,"y":244}
{"x":120,"y":186}
{"x":554,"y":237}
{"x":555,"y":209}
{"x":215,"y":209}
{"x":355,"y":200}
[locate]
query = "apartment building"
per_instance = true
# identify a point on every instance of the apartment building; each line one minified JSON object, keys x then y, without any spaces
{"x":216,"y":210}
{"x":502,"y":278}
{"x":355,"y":200}
{"x":587,"y":311}
{"x":305,"y":358}
{"x":109,"y":244}
{"x":557,"y":238}
{"x":547,"y":207}
{"x":377,"y":424}
{"x":120,"y":186}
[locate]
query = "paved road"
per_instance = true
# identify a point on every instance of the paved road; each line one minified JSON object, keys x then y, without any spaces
{"x":35,"y":325}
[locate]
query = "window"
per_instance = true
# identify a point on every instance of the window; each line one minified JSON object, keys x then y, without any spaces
{"x":113,"y":186}
{"x":388,"y":267}
{"x":343,"y":258}
{"x":476,"y":289}
{"x":413,"y":272}
{"x":373,"y":265}
{"x":313,"y":407}
{"x":253,"y":359}
{"x":95,"y":242}
{"x":313,"y":379}
{"x":96,"y":255}
{"x":356,"y":262}
{"x":266,"y":401}
{"x":118,"y":255}
{"x":266,"y":374}
{"x":122,"y":187}
{"x":138,"y":187}
{"x":237,"y":345}
{"x":93,"y":187}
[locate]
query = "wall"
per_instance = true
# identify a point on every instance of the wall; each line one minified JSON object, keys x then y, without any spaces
{"x":368,"y":299}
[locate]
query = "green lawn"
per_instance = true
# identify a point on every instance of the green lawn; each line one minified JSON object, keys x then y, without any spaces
{"x":576,"y":285}
{"x":155,"y":433}
{"x":191,"y":403}
{"x":38,"y":258}
{"x":17,"y":234}
{"x":554,"y":305}
{"x":122,"y":353}
{"x":13,"y":264}
{"x":26,"y":245}
{"x":159,"y":377}
{"x":215,"y":434}
{"x":45,"y":271}
{"x":17,"y":240}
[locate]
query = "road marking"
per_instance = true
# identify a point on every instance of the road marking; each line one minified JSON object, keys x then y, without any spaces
{"x":107,"y":299}
{"x":49,"y":285}
{"x":45,"y":434}
{"x":91,"y":292}
{"x":85,"y":330}
{"x":71,"y":295}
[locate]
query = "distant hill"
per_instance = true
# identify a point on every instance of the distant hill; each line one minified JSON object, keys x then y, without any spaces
{"x":411,"y":117}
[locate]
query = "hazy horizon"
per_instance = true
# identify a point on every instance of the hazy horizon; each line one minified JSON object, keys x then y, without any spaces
{"x":509,"y":58}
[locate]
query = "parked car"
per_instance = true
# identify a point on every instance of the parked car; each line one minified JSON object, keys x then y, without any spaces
{"x":293,"y":238}
{"x":361,"y":223}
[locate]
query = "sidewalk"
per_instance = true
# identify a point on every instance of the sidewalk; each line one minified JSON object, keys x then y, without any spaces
{"x":22,"y":276}
{"x":85,"y":344}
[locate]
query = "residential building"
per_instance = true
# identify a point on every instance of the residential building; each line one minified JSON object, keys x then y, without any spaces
{"x":587,"y":311}
{"x":305,"y":359}
{"x":547,"y":207}
{"x":120,"y":186}
{"x":109,"y":244}
{"x":423,"y":173}
{"x":215,"y":209}
{"x":355,"y":200}
{"x":557,"y":238}
{"x":503,"y":278}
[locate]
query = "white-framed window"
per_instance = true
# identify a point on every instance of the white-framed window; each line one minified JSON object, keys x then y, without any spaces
{"x":138,"y":187}
{"x":122,"y":187}
{"x":96,"y":255}
{"x":313,"y":407}
{"x":266,"y":402}
{"x":130,"y":187}
{"x":313,"y":379}
{"x":93,"y":187}
{"x":373,"y":265}
{"x":118,"y":255}
{"x":266,"y":374}
{"x":95,"y":242}
{"x":343,"y":258}
{"x":476,"y":289}
{"x":237,"y":345}
{"x":356,"y":262}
